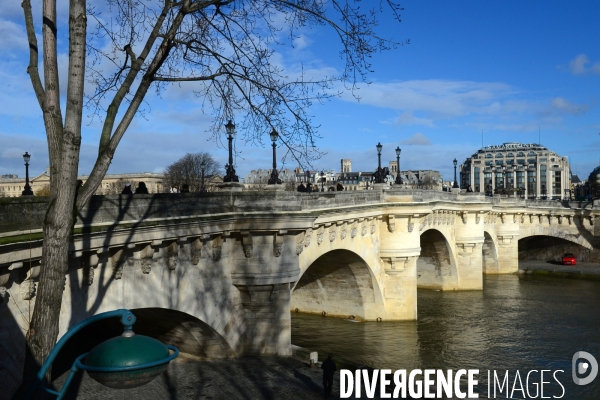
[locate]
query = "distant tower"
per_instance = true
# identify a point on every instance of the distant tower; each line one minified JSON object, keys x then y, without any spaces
{"x":393,"y":167}
{"x":346,"y":165}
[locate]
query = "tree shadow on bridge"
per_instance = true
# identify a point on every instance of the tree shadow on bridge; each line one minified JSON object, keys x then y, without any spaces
{"x":128,"y":217}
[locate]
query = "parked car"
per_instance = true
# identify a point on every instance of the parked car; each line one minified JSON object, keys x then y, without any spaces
{"x":569,"y":259}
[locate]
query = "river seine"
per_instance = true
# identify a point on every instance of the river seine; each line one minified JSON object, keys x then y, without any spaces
{"x":515,"y":324}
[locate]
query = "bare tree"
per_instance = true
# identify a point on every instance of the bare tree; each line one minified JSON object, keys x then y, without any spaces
{"x":226,"y":47}
{"x":188,"y":170}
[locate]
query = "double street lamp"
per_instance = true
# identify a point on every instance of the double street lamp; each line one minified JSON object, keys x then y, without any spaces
{"x":455,"y":185}
{"x":274,"y":179}
{"x":27,"y":191}
{"x":230,"y":175}
{"x":398,"y":176}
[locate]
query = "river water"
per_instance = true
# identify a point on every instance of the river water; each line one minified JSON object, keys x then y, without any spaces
{"x":515,"y":323}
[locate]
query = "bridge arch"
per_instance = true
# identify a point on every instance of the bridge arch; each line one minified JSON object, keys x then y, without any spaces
{"x":578,"y":238}
{"x":436,"y":265}
{"x":490,"y":254}
{"x":194,"y":338}
{"x":552,"y":248}
{"x":339,"y":283}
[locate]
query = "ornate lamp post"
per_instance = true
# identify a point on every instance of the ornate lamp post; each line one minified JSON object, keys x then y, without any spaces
{"x":27,"y":191}
{"x":398,"y":176}
{"x":322,"y":181}
{"x":274,"y":179}
{"x":379,"y":178}
{"x":455,"y":185}
{"x":202,"y":169}
{"x":230,"y":175}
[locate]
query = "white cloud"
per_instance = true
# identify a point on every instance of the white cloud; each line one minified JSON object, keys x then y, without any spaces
{"x":437,"y":97}
{"x":564,"y":106}
{"x":408,"y":118}
{"x":578,"y":66}
{"x":418,"y":139}
{"x":13,"y":36}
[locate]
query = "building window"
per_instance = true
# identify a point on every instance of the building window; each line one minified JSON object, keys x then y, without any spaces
{"x":499,"y":155}
{"x":510,"y":155}
{"x":520,"y":154}
{"x":488,"y":155}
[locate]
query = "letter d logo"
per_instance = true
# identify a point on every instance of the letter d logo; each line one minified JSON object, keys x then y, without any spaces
{"x":583,"y":367}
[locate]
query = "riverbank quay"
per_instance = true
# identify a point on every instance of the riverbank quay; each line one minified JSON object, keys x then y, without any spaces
{"x":268,"y":377}
{"x":584,"y":270}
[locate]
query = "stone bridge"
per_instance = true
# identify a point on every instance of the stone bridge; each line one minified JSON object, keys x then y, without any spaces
{"x":217,"y":274}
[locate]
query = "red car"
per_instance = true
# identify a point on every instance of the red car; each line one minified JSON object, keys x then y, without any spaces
{"x":569,"y":259}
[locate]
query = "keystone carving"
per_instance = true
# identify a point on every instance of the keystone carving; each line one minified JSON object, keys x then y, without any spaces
{"x":247,"y":244}
{"x":307,"y":237}
{"x":343,"y":233}
{"x":117,"y":261}
{"x":391,"y":223}
{"x":477,"y":218}
{"x":353,"y":232}
{"x":216,"y":248}
{"x":277,"y":245}
{"x":27,"y":290}
{"x":196,"y":251}
{"x":464,"y":216}
{"x":522,"y":218}
{"x":332,"y":233}
{"x":591,"y":220}
{"x":560,"y":218}
{"x":172,"y":251}
{"x":411,"y":226}
{"x":88,"y":272}
{"x":145,"y":256}
{"x":4,"y":277}
{"x":372,"y":228}
{"x":319,"y":238}
{"x":363,"y":229}
{"x":299,"y":243}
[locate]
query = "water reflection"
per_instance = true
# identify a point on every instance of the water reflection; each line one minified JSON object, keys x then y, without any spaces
{"x":515,"y":323}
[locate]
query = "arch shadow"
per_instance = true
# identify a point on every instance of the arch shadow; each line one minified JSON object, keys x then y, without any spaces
{"x":436,"y":266}
{"x":490,"y":254}
{"x":194,"y":338}
{"x":551,"y":249}
{"x":340,"y":284}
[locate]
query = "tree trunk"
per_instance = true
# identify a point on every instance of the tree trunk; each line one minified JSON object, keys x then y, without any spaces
{"x":43,"y":329}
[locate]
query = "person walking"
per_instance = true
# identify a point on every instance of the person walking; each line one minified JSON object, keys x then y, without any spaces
{"x":329,"y":369}
{"x":141,"y":188}
{"x":309,"y":188}
{"x":302,"y":188}
{"x":127,"y":189}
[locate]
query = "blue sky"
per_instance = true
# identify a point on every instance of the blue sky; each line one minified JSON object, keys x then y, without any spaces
{"x":507,"y":68}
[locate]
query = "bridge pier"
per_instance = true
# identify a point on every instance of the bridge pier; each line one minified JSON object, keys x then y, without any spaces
{"x":469,"y":248}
